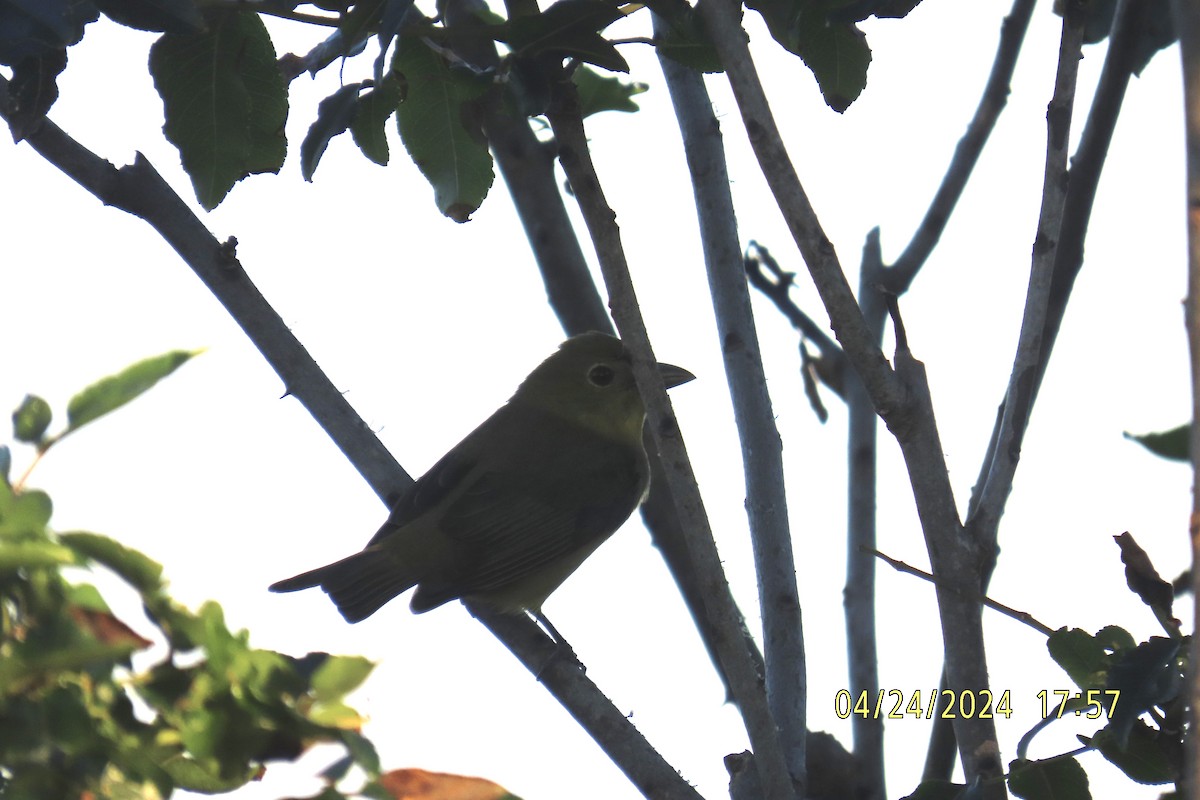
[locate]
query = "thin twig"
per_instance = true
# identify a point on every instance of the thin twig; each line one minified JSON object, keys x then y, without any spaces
{"x":567,"y":124}
{"x":858,"y":595}
{"x":1008,"y":611}
{"x":762,"y":450}
{"x":1030,"y":353}
{"x":966,"y":154}
{"x":765,"y":274}
{"x":1084,"y":177}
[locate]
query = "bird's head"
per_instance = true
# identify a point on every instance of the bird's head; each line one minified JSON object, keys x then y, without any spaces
{"x":589,"y":379}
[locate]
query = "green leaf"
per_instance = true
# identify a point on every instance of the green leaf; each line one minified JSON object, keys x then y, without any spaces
{"x":334,"y":116}
{"x":220,"y":643}
{"x":1172,"y":444}
{"x":109,"y":394}
{"x":359,"y":23}
{"x":183,"y":629}
{"x":335,"y":715}
{"x":605,"y":93}
{"x":338,"y":676}
{"x":24,"y":515}
{"x":68,"y":723}
{"x":390,"y":22}
{"x":31,"y":419}
{"x":1156,"y":32}
{"x":1146,"y":676}
{"x":1155,"y":28}
{"x":36,"y":28}
{"x":33,"y":89}
{"x":892,"y":9}
{"x":363,"y":751}
{"x":936,"y":790}
{"x":568,"y":29}
{"x":34,"y":555}
{"x":337,"y":770}
{"x":836,"y":52}
{"x":375,"y":107}
{"x":138,"y":570}
{"x":17,"y":673}
{"x":204,"y":776}
{"x":1052,"y":779}
{"x":224,"y":101}
{"x":1081,"y":655}
{"x":1115,"y":639}
{"x":165,"y":16}
{"x":683,"y":37}
{"x":265,"y":676}
{"x":1149,"y":756}
{"x":438,"y":129}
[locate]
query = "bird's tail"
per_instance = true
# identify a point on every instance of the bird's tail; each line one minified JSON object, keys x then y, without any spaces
{"x":359,"y":585}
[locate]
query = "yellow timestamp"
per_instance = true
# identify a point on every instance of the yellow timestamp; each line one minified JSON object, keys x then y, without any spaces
{"x":1092,"y":704}
{"x":890,"y":704}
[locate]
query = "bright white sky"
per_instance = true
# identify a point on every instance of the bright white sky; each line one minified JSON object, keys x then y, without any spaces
{"x":428,"y":326}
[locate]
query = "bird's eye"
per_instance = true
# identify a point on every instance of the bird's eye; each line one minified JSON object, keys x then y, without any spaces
{"x":601,"y":375}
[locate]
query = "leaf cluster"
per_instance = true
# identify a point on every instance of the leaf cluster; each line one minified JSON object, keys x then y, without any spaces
{"x":78,"y":718}
{"x":225,"y":89}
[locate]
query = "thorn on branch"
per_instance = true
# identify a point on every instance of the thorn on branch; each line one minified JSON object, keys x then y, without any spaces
{"x":227,"y":253}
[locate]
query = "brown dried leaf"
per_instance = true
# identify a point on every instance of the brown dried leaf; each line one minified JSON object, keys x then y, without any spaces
{"x":419,"y":784}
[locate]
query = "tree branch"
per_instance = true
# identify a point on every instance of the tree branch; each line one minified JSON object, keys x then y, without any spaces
{"x":527,"y":167}
{"x":1058,"y":117}
{"x":564,"y":678}
{"x":900,"y":397}
{"x":957,"y":562}
{"x":858,"y":596}
{"x":845,"y":316}
{"x":568,"y":130}
{"x":1187,"y":23}
{"x":1058,"y":256}
{"x":139,"y":190}
{"x":762,"y":451}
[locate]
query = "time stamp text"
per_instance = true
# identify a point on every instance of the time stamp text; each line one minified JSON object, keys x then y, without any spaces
{"x":983,"y":704}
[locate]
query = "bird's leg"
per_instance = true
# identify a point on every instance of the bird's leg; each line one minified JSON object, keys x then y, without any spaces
{"x":561,"y":646}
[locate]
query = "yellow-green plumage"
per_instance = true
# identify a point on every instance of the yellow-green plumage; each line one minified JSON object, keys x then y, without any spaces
{"x":517,"y":505}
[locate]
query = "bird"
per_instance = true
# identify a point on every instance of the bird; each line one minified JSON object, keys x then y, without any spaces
{"x":514,"y":508}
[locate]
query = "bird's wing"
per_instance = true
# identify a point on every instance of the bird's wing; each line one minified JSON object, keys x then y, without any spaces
{"x":451,"y":472}
{"x":504,"y":532}
{"x":507,"y":524}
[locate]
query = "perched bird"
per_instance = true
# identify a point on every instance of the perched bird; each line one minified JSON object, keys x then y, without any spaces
{"x":514,"y":508}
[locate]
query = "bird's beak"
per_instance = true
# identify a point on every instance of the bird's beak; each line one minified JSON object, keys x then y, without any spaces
{"x":674,"y":376}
